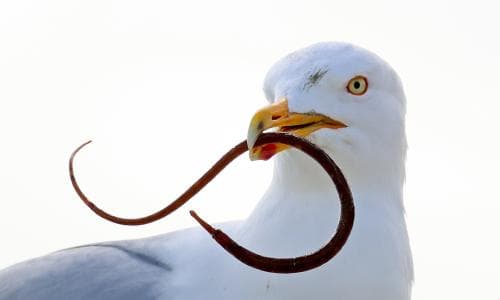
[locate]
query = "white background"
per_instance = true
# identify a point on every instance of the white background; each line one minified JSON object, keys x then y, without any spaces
{"x":165,"y":89}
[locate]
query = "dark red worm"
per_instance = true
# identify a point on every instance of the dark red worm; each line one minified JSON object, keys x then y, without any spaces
{"x":268,"y":264}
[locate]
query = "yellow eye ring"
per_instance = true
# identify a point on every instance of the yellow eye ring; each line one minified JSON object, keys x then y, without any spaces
{"x":357,"y":85}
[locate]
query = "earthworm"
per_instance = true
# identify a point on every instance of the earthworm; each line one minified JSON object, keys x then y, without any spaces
{"x":264,"y":263}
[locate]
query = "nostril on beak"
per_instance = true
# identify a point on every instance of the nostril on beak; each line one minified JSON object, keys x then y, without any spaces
{"x":274,"y":118}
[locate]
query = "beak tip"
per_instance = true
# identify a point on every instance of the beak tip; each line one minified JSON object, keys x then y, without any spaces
{"x":253,"y":152}
{"x":250,"y":144}
{"x":252,"y":138}
{"x":253,"y":157}
{"x":256,"y":155}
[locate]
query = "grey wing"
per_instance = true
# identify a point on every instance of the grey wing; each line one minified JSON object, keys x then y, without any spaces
{"x":115,"y":270}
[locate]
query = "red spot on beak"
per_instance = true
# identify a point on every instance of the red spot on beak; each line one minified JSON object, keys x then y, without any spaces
{"x":267,"y":151}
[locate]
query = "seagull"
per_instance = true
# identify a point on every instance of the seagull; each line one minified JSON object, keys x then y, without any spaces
{"x":351,"y":104}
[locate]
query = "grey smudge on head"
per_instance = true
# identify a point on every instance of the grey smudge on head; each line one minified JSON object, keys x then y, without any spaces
{"x":314,"y":78}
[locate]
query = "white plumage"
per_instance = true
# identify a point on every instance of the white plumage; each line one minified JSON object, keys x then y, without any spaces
{"x":296,"y":215}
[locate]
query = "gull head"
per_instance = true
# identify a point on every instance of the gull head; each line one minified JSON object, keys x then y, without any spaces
{"x":343,"y":98}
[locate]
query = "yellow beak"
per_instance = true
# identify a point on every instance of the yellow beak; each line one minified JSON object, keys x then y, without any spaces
{"x":278,"y":116}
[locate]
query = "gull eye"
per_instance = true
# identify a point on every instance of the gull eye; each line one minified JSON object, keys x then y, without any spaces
{"x":357,"y":85}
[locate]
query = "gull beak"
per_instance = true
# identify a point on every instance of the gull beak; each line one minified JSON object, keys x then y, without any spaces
{"x":279,"y":117}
